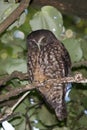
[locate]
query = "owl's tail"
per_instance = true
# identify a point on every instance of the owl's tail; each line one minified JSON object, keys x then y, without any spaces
{"x":57,"y":100}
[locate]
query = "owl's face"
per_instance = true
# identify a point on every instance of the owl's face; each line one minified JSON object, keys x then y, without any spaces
{"x":40,"y":39}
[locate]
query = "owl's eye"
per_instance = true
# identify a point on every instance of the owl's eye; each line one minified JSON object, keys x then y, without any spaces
{"x":44,"y":42}
{"x":32,"y":44}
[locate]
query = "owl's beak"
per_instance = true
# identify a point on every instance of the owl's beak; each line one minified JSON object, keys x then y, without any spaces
{"x":40,"y":41}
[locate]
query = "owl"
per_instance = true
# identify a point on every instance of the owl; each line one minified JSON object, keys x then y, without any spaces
{"x":48,"y":59}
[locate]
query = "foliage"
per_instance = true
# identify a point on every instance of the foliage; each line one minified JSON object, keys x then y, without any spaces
{"x":33,"y":110}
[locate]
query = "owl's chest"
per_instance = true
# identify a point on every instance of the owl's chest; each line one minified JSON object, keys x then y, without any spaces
{"x":47,"y":68}
{"x":38,"y":73}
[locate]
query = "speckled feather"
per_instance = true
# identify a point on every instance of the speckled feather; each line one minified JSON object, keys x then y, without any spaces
{"x":47,"y":59}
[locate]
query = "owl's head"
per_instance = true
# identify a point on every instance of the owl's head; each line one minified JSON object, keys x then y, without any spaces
{"x":40,"y":38}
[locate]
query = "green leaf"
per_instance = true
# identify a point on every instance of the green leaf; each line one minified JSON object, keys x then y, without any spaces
{"x":11,"y":46}
{"x":48,"y":18}
{"x":84,"y":48}
{"x":74,"y":49}
{"x":61,"y":128}
{"x":46,"y":117}
{"x":10,"y":65}
{"x":16,"y":65}
{"x":83,"y":122}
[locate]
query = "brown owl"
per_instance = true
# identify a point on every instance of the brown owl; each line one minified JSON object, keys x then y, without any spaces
{"x":49,"y":59}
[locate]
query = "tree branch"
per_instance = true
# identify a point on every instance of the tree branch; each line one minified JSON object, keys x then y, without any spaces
{"x":15,"y":92}
{"x":14,"y":15}
{"x":14,"y":75}
{"x":77,"y":78}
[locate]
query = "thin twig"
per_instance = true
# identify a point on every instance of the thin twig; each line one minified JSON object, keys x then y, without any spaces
{"x":19,"y":101}
{"x":9,"y":111}
{"x":79,"y":64}
{"x":8,"y":116}
{"x":77,"y":78}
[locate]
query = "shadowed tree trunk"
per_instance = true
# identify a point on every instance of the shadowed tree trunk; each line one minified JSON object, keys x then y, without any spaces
{"x":73,"y":7}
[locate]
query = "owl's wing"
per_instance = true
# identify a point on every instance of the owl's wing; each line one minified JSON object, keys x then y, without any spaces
{"x":55,"y":63}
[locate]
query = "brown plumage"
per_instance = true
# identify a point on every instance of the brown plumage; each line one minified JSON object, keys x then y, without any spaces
{"x":48,"y":59}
